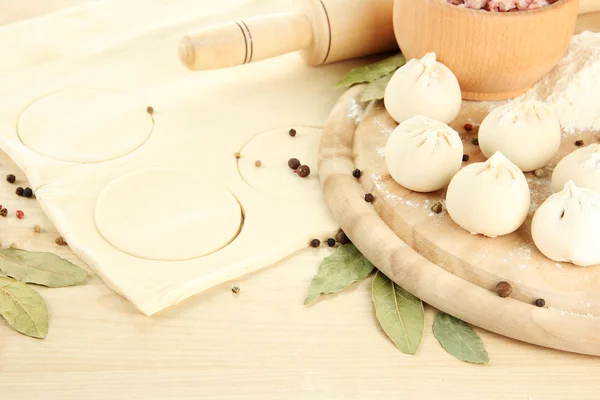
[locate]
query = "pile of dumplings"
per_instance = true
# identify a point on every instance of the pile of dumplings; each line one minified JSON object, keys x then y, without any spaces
{"x":492,"y":198}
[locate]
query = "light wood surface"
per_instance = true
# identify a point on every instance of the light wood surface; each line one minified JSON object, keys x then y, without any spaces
{"x":324,"y":30}
{"x":261,"y":344}
{"x":480,"y":47}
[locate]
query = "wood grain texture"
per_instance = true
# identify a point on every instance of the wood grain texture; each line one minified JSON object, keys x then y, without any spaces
{"x":259,"y":345}
{"x":480,"y":46}
{"x":433,"y":284}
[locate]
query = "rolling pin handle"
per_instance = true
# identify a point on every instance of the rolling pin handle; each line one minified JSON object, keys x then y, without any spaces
{"x":242,"y":42}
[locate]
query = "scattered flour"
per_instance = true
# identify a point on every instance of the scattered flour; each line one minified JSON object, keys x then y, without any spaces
{"x":356,"y":112}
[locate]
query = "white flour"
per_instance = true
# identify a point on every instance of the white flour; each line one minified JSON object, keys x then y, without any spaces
{"x":572,"y":88}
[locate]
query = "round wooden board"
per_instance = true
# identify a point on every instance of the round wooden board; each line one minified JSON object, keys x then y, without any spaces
{"x":436,"y":260}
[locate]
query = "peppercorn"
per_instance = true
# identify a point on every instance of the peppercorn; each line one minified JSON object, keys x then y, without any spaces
{"x":27,"y":192}
{"x":539,"y":173}
{"x":37,"y":229}
{"x":19,"y":191}
{"x":258,"y":163}
{"x":292,"y":132}
{"x":369,"y":198}
{"x":437,"y":207}
{"x":356,"y":173}
{"x":235,"y":289}
{"x":540,"y":302}
{"x":303,"y":171}
{"x":150,"y":110}
{"x":475,"y":141}
{"x":10,"y":178}
{"x":60,"y":241}
{"x":468,"y":127}
{"x":237,"y":154}
{"x":20,"y":214}
{"x":342,"y":238}
{"x":465,"y":157}
{"x":331,"y":242}
{"x":504,"y":289}
{"x":3,"y":212}
{"x":579,"y":143}
{"x":294,"y":163}
{"x":315,"y":243}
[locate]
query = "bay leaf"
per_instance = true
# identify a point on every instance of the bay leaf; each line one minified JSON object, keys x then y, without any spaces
{"x":41,"y":268}
{"x":23,"y":308}
{"x":400,"y":314}
{"x":375,"y":90}
{"x":343,"y":267}
{"x":371,"y":72}
{"x":458,"y":339}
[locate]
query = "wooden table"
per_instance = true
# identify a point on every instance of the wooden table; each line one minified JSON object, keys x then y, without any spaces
{"x":261,"y":344}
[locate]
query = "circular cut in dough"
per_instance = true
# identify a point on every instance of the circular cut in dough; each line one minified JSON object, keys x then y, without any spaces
{"x":423,"y":154}
{"x":528,"y":133}
{"x":566,"y":227}
{"x":490,"y":198}
{"x":423,"y":87}
{"x":581,"y":166}
{"x":85,"y":126}
{"x":273,"y":149}
{"x":167,"y":214}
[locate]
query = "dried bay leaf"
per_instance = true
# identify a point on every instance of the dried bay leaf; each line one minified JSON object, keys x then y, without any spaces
{"x":23,"y":308}
{"x":372,"y":72}
{"x":400,"y":314}
{"x":458,"y":339}
{"x":41,"y":268}
{"x":375,"y":90}
{"x":339,"y":270}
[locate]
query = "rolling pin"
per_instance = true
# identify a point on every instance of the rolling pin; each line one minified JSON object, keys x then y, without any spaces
{"x":324,"y":31}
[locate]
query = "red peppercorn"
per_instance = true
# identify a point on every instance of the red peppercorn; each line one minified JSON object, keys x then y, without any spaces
{"x":20,"y":214}
{"x":468,"y":127}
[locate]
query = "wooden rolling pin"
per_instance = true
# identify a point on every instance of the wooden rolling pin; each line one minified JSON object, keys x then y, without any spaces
{"x":324,"y":31}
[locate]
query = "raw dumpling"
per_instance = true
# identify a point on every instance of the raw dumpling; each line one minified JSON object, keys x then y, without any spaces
{"x":581,"y":166}
{"x":528,"y":133}
{"x":490,"y":198}
{"x":423,"y":154}
{"x":566,"y":227}
{"x":423,"y":87}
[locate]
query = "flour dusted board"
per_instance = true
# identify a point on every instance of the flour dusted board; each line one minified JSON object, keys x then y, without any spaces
{"x":156,"y":202}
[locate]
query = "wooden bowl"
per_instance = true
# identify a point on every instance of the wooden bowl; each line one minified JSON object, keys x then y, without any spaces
{"x":494,"y":55}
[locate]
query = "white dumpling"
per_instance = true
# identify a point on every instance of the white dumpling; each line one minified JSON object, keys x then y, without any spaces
{"x":566,"y":227}
{"x":490,"y":198}
{"x":581,"y":166}
{"x":528,"y":133}
{"x":423,"y":87}
{"x":423,"y":154}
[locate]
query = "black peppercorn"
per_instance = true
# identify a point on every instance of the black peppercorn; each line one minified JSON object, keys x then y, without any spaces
{"x":342,"y":238}
{"x":3,"y":212}
{"x":579,"y":143}
{"x":294,"y":163}
{"x":331,"y":242}
{"x":369,"y":198}
{"x":315,"y":243}
{"x":19,"y":191}
{"x":437,"y":207}
{"x":292,"y":132}
{"x":356,"y":173}
{"x":540,"y":302}
{"x":504,"y":289}
{"x":465,"y":157}
{"x":10,"y":178}
{"x":303,"y":171}
{"x":27,"y":192}
{"x":475,"y":141}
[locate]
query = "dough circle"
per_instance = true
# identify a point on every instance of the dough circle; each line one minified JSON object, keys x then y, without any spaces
{"x":85,"y":126}
{"x":490,"y":198}
{"x":423,"y":154}
{"x":273,"y":149}
{"x":167,"y":214}
{"x":581,"y":166}
{"x":423,"y":87}
{"x":566,"y":227}
{"x":527,"y":133}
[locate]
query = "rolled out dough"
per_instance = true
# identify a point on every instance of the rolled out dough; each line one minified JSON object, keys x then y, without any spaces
{"x":127,"y":224}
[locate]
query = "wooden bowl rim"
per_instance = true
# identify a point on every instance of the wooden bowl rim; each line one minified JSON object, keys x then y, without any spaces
{"x":555,"y":7}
